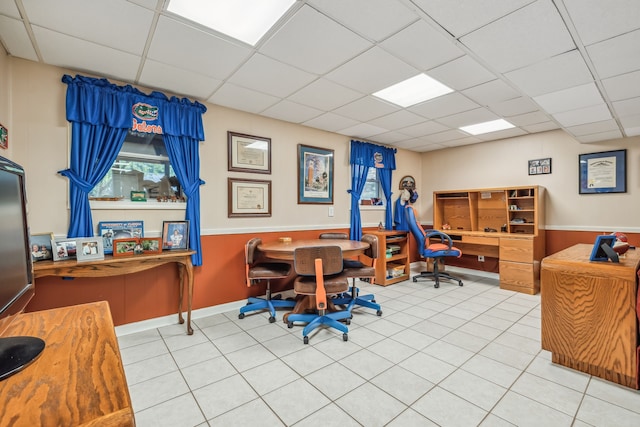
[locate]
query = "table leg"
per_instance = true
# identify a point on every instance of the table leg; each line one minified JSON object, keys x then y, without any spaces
{"x":186,"y":279}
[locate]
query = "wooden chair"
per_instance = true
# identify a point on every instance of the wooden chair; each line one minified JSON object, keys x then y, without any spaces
{"x":258,"y":271}
{"x":319,"y":271}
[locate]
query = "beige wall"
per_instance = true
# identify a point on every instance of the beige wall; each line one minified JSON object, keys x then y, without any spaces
{"x":5,"y":83}
{"x":504,"y":163}
{"x":41,"y":134}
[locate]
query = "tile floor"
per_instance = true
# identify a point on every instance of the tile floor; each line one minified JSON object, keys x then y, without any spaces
{"x":453,"y":356}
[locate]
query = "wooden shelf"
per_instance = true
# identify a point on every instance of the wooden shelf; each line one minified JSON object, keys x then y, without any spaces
{"x":398,"y":260}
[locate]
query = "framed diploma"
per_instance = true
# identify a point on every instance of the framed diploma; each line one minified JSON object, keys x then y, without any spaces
{"x":248,"y":153}
{"x":315,"y":175}
{"x":249,"y":198}
{"x":603,"y":172}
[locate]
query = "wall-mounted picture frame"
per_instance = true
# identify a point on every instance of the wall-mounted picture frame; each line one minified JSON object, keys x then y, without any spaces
{"x":151,"y":245}
{"x":126,"y":247}
{"x":41,"y":246}
{"x":110,"y":230}
{"x":63,"y":249}
{"x":315,"y":175}
{"x":175,"y":235}
{"x":4,"y":137}
{"x":248,"y":198}
{"x":89,"y":249}
{"x":540,"y":166}
{"x":603,"y":172}
{"x":248,"y":153}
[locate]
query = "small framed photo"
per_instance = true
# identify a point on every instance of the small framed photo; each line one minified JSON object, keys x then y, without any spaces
{"x":110,"y":230}
{"x":540,"y":166}
{"x":41,"y":246}
{"x":151,"y":245}
{"x":248,"y":198}
{"x":138,"y":196}
{"x":315,"y":175}
{"x":126,"y":247}
{"x":63,"y":249}
{"x":89,"y":249}
{"x":175,"y":234}
{"x":248,"y":153}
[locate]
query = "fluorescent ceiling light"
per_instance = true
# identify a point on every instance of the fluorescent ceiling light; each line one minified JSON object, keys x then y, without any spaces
{"x":413,"y":91}
{"x":486,"y":127}
{"x":245,"y":20}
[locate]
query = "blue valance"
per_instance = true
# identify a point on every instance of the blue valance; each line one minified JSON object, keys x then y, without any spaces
{"x":100,"y":102}
{"x":371,"y":155}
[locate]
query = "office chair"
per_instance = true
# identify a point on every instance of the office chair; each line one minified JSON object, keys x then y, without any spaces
{"x":365,"y":269}
{"x":333,"y":235}
{"x":319,"y":271}
{"x":258,"y":271}
{"x":435,"y":251}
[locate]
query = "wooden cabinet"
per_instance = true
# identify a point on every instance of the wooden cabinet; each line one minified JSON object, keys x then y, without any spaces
{"x":588,"y":309}
{"x":505,"y":223}
{"x":395,"y":267}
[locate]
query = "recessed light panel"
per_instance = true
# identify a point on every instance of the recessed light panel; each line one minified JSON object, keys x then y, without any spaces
{"x":486,"y":127}
{"x":413,"y":91}
{"x":244,"y":20}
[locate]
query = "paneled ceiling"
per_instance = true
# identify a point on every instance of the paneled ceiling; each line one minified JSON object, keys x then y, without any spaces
{"x":540,"y":64}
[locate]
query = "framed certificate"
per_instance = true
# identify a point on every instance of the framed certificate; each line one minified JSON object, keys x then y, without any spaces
{"x":603,"y":172}
{"x":248,"y":153}
{"x":249,"y":198}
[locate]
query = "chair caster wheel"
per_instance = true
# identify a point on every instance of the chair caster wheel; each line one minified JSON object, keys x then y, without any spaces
{"x":460,"y":284}
{"x":305,"y":340}
{"x":436,"y":285}
{"x":272,"y":319}
{"x":373,"y":301}
{"x":345,"y":337}
{"x":415,"y":280}
{"x":289,"y":325}
{"x":241,"y":316}
{"x":379,"y":313}
{"x":347,"y":321}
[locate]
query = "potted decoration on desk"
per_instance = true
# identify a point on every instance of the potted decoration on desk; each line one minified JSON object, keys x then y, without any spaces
{"x":175,"y":235}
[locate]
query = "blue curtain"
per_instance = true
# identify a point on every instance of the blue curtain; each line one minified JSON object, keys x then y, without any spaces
{"x":101,"y":113}
{"x":363,"y":156}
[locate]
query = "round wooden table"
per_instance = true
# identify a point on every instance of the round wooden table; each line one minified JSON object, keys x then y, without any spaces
{"x":284,"y":250}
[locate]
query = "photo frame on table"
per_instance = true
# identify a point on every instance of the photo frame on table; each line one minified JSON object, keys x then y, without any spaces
{"x":315,"y":175}
{"x":603,"y":249}
{"x":248,"y":153}
{"x":175,"y":235}
{"x":41,"y":246}
{"x":603,"y":172}
{"x":89,"y":248}
{"x":111,"y":230}
{"x":126,"y":247}
{"x":540,"y":166}
{"x":151,"y":245}
{"x":248,"y":198}
{"x":63,"y":249}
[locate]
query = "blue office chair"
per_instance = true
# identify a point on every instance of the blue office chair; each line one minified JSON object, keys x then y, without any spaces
{"x":319,"y":270}
{"x":256,"y":272}
{"x":436,"y":251}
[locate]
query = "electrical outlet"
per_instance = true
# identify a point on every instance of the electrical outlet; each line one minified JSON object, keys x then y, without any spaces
{"x":480,"y":258}
{"x":330,"y":210}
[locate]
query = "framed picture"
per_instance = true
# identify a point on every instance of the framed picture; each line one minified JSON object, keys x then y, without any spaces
{"x":540,"y":166}
{"x":151,"y":245}
{"x":63,"y":249}
{"x":175,"y":234}
{"x":4,"y":137}
{"x":41,"y":246}
{"x":126,"y":247}
{"x":315,"y":175}
{"x":248,"y":198}
{"x":138,"y":196}
{"x":248,"y":153}
{"x":603,"y":172}
{"x":89,"y":249}
{"x":110,"y":230}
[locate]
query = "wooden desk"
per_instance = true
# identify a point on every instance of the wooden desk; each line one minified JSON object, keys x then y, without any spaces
{"x":111,"y":266}
{"x":78,"y":379}
{"x":284,"y":250}
{"x":589,"y":318}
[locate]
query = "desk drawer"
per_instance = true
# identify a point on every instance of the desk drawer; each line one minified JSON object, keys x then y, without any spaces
{"x":481,"y":240}
{"x":518,"y":250}
{"x":520,"y":277}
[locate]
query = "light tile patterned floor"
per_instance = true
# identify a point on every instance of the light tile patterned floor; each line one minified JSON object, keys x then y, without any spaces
{"x":453,"y":356}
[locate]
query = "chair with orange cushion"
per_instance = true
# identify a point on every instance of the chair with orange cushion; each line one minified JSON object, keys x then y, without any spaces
{"x":436,"y":251}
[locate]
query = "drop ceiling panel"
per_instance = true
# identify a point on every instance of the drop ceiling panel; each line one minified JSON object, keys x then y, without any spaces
{"x":174,"y":43}
{"x":331,"y":122}
{"x":397,"y":120}
{"x":581,"y":116}
{"x":314,"y":43}
{"x":9,"y":9}
{"x":501,"y":134}
{"x":374,"y":19}
{"x":491,"y":92}
{"x":449,"y":135}
{"x":598,"y":20}
{"x":472,"y":117}
{"x":291,"y":112}
{"x":540,"y":127}
{"x":14,"y":36}
{"x":628,"y":107}
{"x":362,"y":130}
{"x":623,"y":86}
{"x":514,"y":107}
{"x":443,"y":106}
{"x":116,"y":23}
{"x":365,"y":109}
{"x":616,"y":56}
{"x":524,"y":37}
{"x":158,"y":75}
{"x":389,"y":137}
{"x":570,"y":99}
{"x":461,"y":73}
{"x":597,"y":127}
{"x":325,"y":95}
{"x":529,"y":118}
{"x":597,"y":137}
{"x":243,"y":99}
{"x":423,"y":129}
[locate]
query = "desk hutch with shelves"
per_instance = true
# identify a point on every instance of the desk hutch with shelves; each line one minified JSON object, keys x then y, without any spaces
{"x":505,"y":223}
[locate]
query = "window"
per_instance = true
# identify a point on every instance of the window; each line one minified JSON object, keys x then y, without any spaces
{"x":141,"y":165}
{"x":372,"y":192}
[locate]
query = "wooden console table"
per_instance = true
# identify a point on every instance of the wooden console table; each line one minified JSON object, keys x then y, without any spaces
{"x":115,"y":266}
{"x":78,"y":379}
{"x":588,"y":312}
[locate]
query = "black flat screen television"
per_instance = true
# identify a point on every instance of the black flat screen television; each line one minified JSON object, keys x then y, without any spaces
{"x":16,"y":277}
